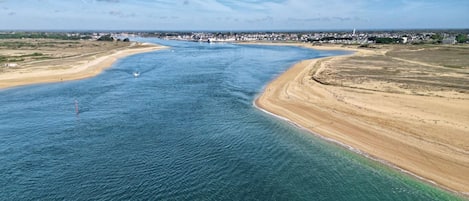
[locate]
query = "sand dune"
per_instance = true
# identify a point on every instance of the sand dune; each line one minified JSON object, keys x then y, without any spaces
{"x":424,"y":135}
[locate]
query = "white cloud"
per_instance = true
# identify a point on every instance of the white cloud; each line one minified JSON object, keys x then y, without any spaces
{"x":237,"y":14}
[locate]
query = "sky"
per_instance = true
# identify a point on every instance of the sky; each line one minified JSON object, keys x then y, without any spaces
{"x":232,"y":15}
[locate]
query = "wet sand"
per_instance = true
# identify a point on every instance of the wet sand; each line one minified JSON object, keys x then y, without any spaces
{"x":425,"y":136}
{"x":79,"y":68}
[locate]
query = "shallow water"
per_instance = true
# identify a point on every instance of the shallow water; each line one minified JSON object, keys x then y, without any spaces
{"x":185,"y":129}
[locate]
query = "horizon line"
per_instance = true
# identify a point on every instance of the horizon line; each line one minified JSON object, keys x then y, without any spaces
{"x":238,"y":30}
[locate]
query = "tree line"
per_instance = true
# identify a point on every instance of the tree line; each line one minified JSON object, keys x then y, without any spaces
{"x":61,"y":36}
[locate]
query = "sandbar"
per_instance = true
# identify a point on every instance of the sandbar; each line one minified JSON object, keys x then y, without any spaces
{"x":86,"y":67}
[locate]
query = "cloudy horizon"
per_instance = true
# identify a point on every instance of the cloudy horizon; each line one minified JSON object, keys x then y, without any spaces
{"x":230,"y":15}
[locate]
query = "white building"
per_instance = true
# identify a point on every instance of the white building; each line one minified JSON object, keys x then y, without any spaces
{"x":449,"y":40}
{"x":404,"y":40}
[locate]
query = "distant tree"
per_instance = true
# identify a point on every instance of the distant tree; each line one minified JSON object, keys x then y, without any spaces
{"x":461,"y":38}
{"x":50,"y":35}
{"x":437,"y":37}
{"x":106,"y":38}
{"x":126,"y":40}
{"x":327,"y":38}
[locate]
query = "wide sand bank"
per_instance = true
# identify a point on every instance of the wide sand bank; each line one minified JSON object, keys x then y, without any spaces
{"x":424,"y":135}
{"x":81,"y":68}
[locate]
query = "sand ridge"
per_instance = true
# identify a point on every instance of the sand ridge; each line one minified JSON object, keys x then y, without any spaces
{"x":82,"y":68}
{"x":426,"y":136}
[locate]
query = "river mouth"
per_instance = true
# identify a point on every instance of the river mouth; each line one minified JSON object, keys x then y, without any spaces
{"x":184,"y":129}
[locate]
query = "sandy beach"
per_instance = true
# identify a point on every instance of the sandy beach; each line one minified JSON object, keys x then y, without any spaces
{"x":82,"y":66}
{"x":424,"y":133}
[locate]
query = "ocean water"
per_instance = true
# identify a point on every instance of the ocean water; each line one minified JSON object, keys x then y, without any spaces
{"x":186,"y":129}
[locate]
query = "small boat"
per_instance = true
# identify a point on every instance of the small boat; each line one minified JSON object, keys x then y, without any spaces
{"x":136,"y":74}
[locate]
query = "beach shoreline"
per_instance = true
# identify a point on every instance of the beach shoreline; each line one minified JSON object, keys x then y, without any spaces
{"x":88,"y":67}
{"x":354,"y":150}
{"x":295,"y":97}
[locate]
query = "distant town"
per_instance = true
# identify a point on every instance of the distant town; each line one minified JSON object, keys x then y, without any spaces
{"x":353,"y":36}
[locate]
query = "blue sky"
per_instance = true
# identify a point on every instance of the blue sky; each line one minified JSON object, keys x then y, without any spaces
{"x":231,"y":15}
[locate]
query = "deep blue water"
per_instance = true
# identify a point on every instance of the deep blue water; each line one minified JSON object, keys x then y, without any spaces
{"x":185,"y":129}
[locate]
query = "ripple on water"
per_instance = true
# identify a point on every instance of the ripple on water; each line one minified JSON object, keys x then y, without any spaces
{"x":185,"y":129}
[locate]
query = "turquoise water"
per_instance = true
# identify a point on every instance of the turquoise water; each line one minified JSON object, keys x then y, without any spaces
{"x":185,"y":129}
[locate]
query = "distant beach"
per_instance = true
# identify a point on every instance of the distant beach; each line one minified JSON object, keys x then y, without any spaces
{"x":424,"y":133}
{"x":82,"y":67}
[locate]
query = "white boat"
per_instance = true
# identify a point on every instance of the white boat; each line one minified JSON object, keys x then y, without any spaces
{"x":136,"y":74}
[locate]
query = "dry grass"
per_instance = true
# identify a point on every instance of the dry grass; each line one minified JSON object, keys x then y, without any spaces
{"x":446,"y":56}
{"x":29,"y":53}
{"x":418,"y":70}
